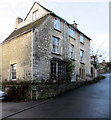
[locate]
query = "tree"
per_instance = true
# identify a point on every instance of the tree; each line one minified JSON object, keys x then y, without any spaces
{"x":97,"y":56}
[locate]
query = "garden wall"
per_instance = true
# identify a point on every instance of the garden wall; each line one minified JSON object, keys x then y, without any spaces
{"x":27,"y":91}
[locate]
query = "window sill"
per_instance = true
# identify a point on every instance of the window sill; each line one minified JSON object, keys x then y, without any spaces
{"x":82,"y":43}
{"x":72,"y":59}
{"x":13,"y":79}
{"x":72,"y":37}
{"x":82,"y":63}
{"x":56,"y":54}
{"x":57,"y":29}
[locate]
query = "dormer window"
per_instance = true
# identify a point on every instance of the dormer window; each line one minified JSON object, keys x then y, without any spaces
{"x":81,"y":39}
{"x":56,"y":24}
{"x":34,"y":15}
{"x":71,"y":32}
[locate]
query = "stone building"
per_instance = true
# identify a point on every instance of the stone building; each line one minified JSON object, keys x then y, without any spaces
{"x":36,"y":49}
{"x":0,"y":61}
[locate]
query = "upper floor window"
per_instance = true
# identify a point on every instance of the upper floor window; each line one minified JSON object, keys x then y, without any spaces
{"x":81,"y":55}
{"x":56,"y":45}
{"x":72,"y":51}
{"x":81,"y":39}
{"x":13,"y":71}
{"x":56,"y":24}
{"x":71,"y":32}
{"x":35,"y":15}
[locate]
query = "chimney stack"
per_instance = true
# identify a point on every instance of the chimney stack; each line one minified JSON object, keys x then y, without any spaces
{"x":18,"y":21}
{"x":75,"y":24}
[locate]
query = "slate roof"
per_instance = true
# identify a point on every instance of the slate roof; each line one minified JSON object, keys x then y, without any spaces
{"x":26,"y":28}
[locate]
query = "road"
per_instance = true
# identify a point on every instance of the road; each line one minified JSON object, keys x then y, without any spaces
{"x":90,"y":101}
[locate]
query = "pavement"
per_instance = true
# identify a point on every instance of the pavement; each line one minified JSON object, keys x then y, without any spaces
{"x":90,"y":101}
{"x":12,"y":108}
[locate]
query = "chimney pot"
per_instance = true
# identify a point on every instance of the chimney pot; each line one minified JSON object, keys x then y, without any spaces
{"x":75,"y":24}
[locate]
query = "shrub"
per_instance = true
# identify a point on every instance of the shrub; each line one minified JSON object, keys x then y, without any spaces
{"x":17,"y":92}
{"x":69,"y":69}
{"x":100,"y":77}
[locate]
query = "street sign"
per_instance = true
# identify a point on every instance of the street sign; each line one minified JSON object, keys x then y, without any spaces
{"x":34,"y":87}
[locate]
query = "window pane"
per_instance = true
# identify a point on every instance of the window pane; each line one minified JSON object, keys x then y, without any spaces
{"x":55,"y":45}
{"x":53,"y":68}
{"x":81,"y":55}
{"x":81,"y":38}
{"x":35,"y":15}
{"x":57,"y":24}
{"x":13,"y":71}
{"x":71,"y":32}
{"x":72,"y":51}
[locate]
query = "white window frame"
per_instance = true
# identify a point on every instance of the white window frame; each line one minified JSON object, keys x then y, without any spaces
{"x":57,"y":69}
{"x":13,"y":71}
{"x":71,"y":32}
{"x":35,"y":15}
{"x":57,"y":24}
{"x":81,"y":38}
{"x":55,"y":45}
{"x":72,"y":51}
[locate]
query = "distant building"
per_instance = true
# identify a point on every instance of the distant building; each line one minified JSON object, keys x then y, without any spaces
{"x":36,"y":49}
{"x":103,"y":67}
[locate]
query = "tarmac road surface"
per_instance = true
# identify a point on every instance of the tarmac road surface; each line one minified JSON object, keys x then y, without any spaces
{"x":90,"y":101}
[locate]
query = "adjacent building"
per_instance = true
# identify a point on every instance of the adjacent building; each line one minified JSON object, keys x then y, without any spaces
{"x":36,"y":49}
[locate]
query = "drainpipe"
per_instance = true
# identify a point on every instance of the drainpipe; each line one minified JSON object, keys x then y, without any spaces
{"x":65,"y":41}
{"x":33,"y":49}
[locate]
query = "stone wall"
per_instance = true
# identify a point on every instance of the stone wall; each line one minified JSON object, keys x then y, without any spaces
{"x":24,"y":91}
{"x":0,"y":62}
{"x":42,"y":51}
{"x":42,"y":46}
{"x":18,"y":51}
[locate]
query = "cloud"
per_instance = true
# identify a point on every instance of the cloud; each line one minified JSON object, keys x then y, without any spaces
{"x":101,"y":43}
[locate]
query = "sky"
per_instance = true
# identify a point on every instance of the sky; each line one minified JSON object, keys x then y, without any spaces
{"x":92,"y":17}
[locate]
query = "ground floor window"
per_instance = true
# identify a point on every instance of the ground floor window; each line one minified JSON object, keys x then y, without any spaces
{"x":82,"y":73}
{"x":58,"y":69}
{"x":13,"y":71}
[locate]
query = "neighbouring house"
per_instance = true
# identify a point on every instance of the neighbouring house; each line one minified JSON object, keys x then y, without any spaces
{"x":36,"y":49}
{"x":0,"y":62}
{"x":94,"y":66}
{"x":104,"y":67}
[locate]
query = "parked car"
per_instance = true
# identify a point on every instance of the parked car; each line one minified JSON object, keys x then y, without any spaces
{"x":2,"y":95}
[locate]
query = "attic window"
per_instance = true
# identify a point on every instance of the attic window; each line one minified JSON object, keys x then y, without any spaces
{"x":56,"y":24}
{"x":34,"y":15}
{"x":81,"y":39}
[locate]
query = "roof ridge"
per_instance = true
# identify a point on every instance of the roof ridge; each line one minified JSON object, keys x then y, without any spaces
{"x":33,"y":21}
{"x":32,"y":7}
